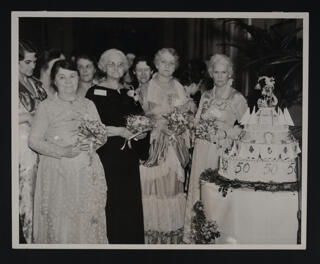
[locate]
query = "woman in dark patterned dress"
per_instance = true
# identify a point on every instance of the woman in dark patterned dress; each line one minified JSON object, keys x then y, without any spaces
{"x":30,"y":94}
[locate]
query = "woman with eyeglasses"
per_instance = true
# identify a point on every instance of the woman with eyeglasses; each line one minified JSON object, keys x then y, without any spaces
{"x":124,"y":202}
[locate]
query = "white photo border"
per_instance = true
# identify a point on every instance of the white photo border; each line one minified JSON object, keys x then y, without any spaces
{"x":15,"y":15}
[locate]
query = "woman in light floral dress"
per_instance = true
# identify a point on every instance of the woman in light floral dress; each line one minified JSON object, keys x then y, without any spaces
{"x":224,"y":105}
{"x":70,"y":194}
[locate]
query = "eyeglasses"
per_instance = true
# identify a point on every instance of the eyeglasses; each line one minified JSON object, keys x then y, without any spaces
{"x":114,"y":65}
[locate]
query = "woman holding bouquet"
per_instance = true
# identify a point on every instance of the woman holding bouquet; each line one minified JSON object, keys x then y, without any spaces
{"x":162,"y":175}
{"x":221,"y":107}
{"x":70,"y":193}
{"x":121,"y":165}
{"x":31,"y":93}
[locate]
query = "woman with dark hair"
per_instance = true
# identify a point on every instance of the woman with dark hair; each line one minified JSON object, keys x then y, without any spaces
{"x":70,"y":194}
{"x":142,"y":69}
{"x":30,"y":94}
{"x":46,"y":60}
{"x":87,"y":67}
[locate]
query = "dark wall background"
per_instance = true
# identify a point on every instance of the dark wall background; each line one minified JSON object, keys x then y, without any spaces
{"x":198,"y":38}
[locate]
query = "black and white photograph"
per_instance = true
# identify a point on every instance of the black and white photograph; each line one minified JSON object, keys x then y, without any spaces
{"x":158,"y":130}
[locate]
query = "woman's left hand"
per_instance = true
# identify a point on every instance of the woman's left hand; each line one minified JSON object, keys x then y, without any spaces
{"x":141,"y":136}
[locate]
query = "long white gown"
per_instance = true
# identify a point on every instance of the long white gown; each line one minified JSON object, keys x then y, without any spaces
{"x":162,"y":176}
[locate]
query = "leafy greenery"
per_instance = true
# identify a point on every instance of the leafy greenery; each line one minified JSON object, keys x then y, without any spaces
{"x":272,"y":51}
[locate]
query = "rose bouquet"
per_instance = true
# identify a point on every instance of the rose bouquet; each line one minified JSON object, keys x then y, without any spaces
{"x":93,"y":131}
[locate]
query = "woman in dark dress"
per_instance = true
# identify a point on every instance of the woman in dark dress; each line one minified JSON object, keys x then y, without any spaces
{"x":124,"y":203}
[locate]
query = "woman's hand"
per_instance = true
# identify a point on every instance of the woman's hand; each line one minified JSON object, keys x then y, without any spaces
{"x":125,"y":133}
{"x":141,"y":136}
{"x":84,"y":144}
{"x":72,"y":151}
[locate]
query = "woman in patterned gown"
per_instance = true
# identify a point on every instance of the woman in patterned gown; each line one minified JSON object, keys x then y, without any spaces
{"x":162,"y":175}
{"x":225,"y":106}
{"x":70,"y":192}
{"x":30,"y":94}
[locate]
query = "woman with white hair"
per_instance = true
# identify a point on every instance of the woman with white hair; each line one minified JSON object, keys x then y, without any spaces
{"x":224,"y":106}
{"x":124,"y":204}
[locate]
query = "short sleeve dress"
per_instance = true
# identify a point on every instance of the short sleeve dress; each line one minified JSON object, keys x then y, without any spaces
{"x":70,"y":194}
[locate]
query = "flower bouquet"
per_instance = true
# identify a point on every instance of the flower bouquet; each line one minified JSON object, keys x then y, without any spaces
{"x":205,"y":128}
{"x":179,"y":121}
{"x":137,"y":125}
{"x":93,"y":131}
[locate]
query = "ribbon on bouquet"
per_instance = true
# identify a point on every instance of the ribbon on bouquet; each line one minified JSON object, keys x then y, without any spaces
{"x":128,"y":140}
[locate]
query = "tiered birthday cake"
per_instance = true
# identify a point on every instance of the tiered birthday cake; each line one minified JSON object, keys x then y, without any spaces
{"x":265,"y":146}
{"x":253,"y":195}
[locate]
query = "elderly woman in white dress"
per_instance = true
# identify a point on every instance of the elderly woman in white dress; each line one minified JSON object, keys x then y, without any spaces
{"x":224,"y":106}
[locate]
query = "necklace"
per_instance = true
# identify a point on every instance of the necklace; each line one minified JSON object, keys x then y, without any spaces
{"x":67,"y":101}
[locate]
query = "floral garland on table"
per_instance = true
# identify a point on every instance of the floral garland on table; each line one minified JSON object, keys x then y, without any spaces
{"x":225,"y":184}
{"x":170,"y":237}
{"x":203,"y":231}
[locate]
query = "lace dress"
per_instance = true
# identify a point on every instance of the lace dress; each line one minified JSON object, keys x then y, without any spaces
{"x":206,"y":154}
{"x":70,"y":193}
{"x":28,"y":159}
{"x":162,"y":175}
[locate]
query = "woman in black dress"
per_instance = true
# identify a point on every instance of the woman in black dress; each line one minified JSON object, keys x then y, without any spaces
{"x":124,"y":204}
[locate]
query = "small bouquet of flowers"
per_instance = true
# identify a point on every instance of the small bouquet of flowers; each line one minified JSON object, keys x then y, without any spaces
{"x":137,"y":125}
{"x":179,"y":121}
{"x":205,"y":128}
{"x":93,"y":131}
